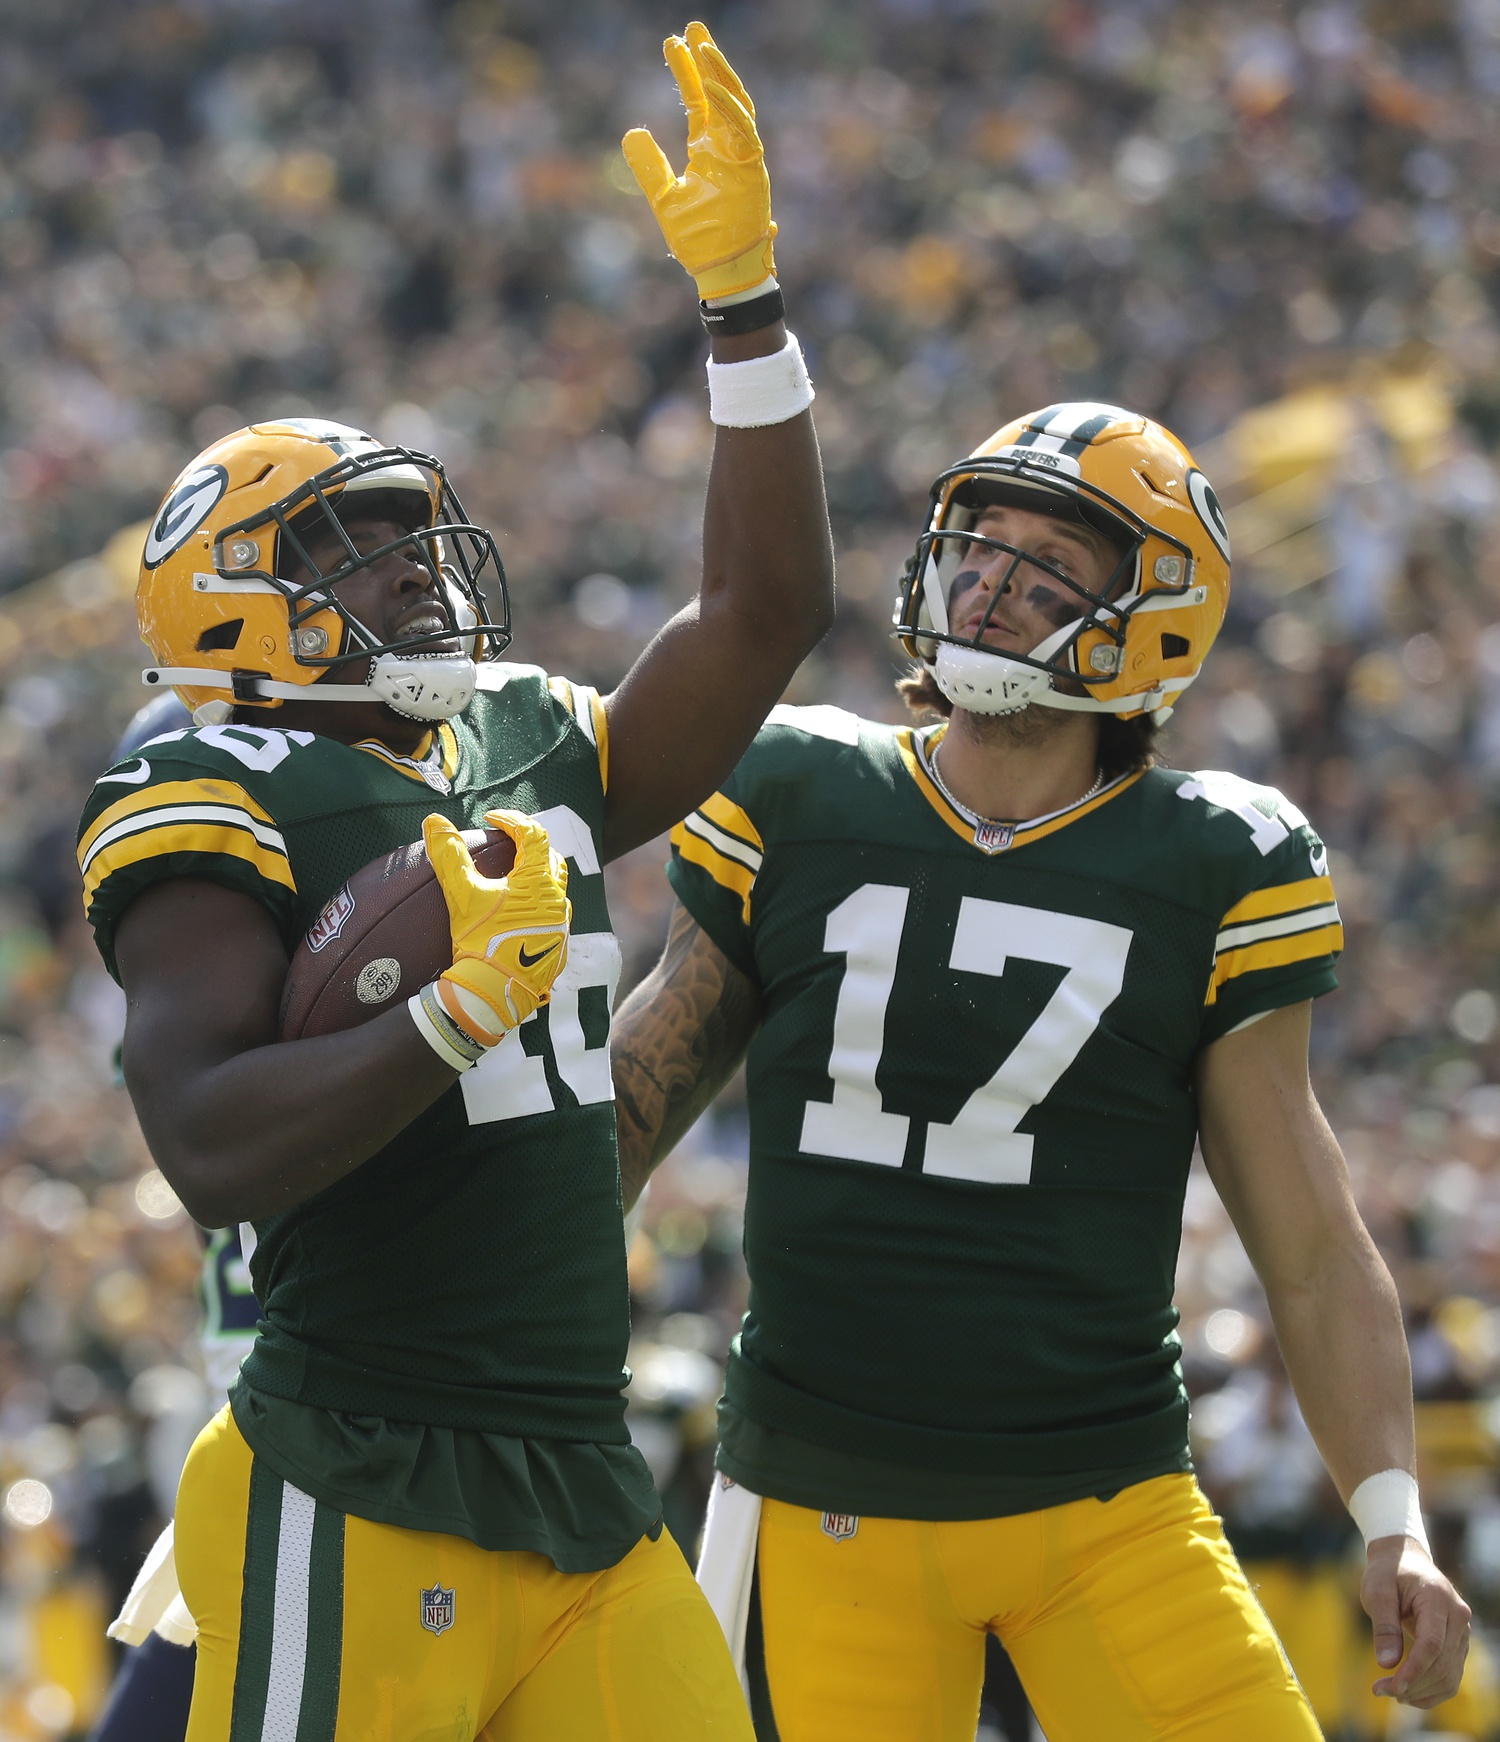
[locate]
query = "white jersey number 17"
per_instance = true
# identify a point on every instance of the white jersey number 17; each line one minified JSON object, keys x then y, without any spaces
{"x":982,"y":1143}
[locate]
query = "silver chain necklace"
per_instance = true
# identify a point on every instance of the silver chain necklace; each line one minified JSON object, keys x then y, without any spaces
{"x":974,"y":816}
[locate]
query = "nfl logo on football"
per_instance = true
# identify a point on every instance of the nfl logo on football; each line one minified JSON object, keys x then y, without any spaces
{"x":330,"y":922}
{"x":994,"y":837}
{"x":437,"y":1609}
{"x":840,"y":1525}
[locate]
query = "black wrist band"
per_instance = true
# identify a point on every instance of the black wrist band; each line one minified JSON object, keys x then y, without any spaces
{"x":743,"y":317}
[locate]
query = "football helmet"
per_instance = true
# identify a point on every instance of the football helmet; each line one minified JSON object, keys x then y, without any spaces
{"x":1142,"y":638}
{"x":236,"y":612}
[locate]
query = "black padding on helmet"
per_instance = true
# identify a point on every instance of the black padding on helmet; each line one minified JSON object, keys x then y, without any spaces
{"x":977,"y":494}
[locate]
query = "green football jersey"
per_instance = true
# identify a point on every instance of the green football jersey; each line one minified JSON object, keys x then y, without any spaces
{"x":471,"y":1275}
{"x":971,"y":1096}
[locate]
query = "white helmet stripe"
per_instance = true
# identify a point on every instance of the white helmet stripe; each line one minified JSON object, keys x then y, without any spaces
{"x":1081,"y":420}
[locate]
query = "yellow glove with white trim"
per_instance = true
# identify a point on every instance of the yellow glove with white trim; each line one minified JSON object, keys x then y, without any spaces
{"x":716,"y":216}
{"x":510,"y":934}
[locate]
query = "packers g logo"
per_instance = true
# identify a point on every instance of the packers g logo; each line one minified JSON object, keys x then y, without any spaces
{"x":1206,"y":507}
{"x":190,"y":503}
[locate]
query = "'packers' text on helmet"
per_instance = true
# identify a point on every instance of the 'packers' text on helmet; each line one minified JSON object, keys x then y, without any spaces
{"x":1139,"y":640}
{"x":237,"y":612}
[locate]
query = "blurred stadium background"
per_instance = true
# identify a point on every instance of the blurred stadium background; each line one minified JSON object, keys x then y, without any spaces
{"x":1277,"y":227}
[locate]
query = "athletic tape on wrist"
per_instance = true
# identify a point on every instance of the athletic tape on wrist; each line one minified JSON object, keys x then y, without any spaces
{"x":766,"y":285}
{"x":456,"y":1050}
{"x":761,"y":390}
{"x":1387,"y":1504}
{"x":469,"y":1013}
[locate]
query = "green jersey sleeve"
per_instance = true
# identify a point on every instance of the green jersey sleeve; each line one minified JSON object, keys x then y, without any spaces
{"x":179,"y":811}
{"x":1280,"y":934}
{"x":716,"y":857}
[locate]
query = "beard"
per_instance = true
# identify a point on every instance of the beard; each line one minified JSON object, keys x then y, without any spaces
{"x":1025,"y":729}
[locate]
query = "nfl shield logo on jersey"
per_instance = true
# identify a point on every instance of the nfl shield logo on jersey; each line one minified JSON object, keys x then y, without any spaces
{"x":993,"y":837}
{"x":437,"y":1609}
{"x":840,"y":1525}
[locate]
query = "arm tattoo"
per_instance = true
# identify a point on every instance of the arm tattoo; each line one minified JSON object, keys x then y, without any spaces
{"x":676,"y":1040}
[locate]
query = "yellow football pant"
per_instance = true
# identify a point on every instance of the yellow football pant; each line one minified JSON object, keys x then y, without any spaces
{"x":317,"y":1626}
{"x":1128,"y":1620}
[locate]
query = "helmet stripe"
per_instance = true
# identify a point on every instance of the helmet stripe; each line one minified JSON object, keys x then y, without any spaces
{"x":1075,"y":424}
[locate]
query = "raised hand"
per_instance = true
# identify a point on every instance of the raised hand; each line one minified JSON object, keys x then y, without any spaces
{"x":716,"y":215}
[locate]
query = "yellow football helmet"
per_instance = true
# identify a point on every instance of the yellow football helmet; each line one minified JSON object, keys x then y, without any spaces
{"x":237,"y":613}
{"x":1139,"y":641}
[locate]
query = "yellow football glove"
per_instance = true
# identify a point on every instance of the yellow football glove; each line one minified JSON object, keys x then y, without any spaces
{"x":510,"y":935}
{"x":716,"y":216}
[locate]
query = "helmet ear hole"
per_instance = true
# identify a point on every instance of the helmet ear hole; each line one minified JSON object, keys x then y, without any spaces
{"x":1175,"y":647}
{"x":221,"y":637}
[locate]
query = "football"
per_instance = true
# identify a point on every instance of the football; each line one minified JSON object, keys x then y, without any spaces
{"x":383,"y":936}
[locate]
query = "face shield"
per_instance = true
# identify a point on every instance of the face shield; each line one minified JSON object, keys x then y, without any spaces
{"x":408,"y":490}
{"x":934,"y":626}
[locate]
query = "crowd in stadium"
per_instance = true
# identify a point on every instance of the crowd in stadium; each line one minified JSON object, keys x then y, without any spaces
{"x":414,"y":217}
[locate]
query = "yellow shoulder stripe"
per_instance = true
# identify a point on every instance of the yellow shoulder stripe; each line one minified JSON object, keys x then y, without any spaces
{"x":728,"y":815}
{"x":587,"y":708}
{"x":152,"y":843}
{"x":1284,"y":898}
{"x":1275,"y":953}
{"x":168,"y":793}
{"x":726,"y":872}
{"x":601,"y":735}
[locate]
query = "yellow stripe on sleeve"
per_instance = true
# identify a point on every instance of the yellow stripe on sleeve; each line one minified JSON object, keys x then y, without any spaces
{"x":601,"y":735}
{"x":1275,"y":953}
{"x":728,"y":815}
{"x":166,"y":795}
{"x":1283,"y":898}
{"x":223,"y":839}
{"x":562,"y":691}
{"x":726,"y":872}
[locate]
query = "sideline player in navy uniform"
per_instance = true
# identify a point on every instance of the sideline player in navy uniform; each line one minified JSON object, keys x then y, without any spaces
{"x":996,"y":976}
{"x":421,"y":1514}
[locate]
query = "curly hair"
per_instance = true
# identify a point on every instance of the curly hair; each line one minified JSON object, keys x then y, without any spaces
{"x":1124,"y":745}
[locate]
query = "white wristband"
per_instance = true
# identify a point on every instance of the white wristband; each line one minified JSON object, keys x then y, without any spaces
{"x":761,"y":390}
{"x":1387,"y":1504}
{"x":435,"y":1038}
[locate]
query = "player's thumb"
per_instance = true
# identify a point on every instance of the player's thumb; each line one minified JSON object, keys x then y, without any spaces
{"x":648,"y":163}
{"x":1382,"y":1604}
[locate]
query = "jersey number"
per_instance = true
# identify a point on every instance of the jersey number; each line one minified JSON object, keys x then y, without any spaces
{"x":511,"y":1083}
{"x":982,"y":1143}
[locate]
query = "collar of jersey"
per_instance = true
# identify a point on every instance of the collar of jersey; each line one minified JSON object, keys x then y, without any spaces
{"x":434,"y":762}
{"x":993,"y":837}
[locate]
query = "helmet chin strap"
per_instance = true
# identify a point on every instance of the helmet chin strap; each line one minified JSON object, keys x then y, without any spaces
{"x":987,"y":682}
{"x":422,"y":686}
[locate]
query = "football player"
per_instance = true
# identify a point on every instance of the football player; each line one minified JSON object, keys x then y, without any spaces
{"x":996,"y":977}
{"x":421,"y":1514}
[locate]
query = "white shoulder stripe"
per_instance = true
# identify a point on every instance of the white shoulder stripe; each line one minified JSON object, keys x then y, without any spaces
{"x":699,"y":825}
{"x":583,"y":712}
{"x":819,"y":720}
{"x":1285,"y":925}
{"x":228,"y":815}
